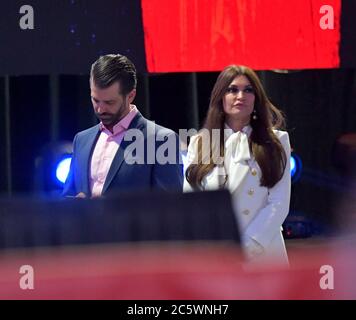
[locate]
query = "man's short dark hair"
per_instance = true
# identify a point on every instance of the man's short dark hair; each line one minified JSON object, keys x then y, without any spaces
{"x":111,"y":68}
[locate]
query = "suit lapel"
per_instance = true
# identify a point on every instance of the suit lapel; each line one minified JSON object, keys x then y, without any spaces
{"x":138,"y":122}
{"x":85,"y":157}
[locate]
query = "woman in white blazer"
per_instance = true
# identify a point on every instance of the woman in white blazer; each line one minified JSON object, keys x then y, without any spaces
{"x":240,"y":148}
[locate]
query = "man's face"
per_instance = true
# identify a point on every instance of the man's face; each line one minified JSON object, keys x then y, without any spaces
{"x":109,"y":104}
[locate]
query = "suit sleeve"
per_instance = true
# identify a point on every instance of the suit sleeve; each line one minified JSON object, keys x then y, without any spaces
{"x":169,"y":176}
{"x":69,"y":185}
{"x":268,"y":221}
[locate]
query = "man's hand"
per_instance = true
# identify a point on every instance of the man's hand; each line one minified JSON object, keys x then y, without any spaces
{"x":81,"y":195}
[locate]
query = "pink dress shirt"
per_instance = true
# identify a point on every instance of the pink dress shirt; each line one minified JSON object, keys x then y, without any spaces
{"x":105,"y":150}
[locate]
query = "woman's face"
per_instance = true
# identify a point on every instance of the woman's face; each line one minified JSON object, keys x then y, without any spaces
{"x":239,"y":100}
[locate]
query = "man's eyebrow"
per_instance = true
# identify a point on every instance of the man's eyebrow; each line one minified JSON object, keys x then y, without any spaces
{"x":106,"y":101}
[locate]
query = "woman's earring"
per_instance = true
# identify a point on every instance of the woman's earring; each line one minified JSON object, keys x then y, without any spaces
{"x":254,"y":114}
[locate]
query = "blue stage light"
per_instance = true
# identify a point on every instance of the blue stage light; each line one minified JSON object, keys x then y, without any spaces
{"x":62,"y":169}
{"x":52,"y":167}
{"x":295,"y":167}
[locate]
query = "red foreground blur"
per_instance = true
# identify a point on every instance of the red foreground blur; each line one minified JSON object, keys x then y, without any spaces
{"x":177,"y":271}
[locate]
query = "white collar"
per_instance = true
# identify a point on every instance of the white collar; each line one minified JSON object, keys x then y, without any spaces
{"x":236,"y":144}
{"x":228,"y":131}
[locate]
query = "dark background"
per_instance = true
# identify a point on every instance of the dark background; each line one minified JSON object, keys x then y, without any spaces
{"x":68,"y":35}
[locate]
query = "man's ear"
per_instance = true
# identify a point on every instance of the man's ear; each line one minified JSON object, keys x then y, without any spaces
{"x":131,"y":96}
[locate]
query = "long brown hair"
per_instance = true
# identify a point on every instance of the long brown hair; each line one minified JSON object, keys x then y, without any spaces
{"x":264,"y":144}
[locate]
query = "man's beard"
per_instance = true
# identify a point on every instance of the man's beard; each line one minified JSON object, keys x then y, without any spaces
{"x":108,"y":119}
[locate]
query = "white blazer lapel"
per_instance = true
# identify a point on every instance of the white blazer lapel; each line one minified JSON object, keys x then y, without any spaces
{"x":236,"y":175}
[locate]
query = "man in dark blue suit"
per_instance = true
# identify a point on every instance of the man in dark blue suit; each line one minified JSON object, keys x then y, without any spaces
{"x":125,"y":151}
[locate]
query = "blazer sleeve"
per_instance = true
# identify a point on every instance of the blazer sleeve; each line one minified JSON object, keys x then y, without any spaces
{"x":192,"y":151}
{"x":69,"y":185}
{"x":169,"y":176}
{"x":269,"y":219}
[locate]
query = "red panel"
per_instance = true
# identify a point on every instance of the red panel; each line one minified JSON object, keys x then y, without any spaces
{"x":207,"y":35}
{"x":176,"y":272}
